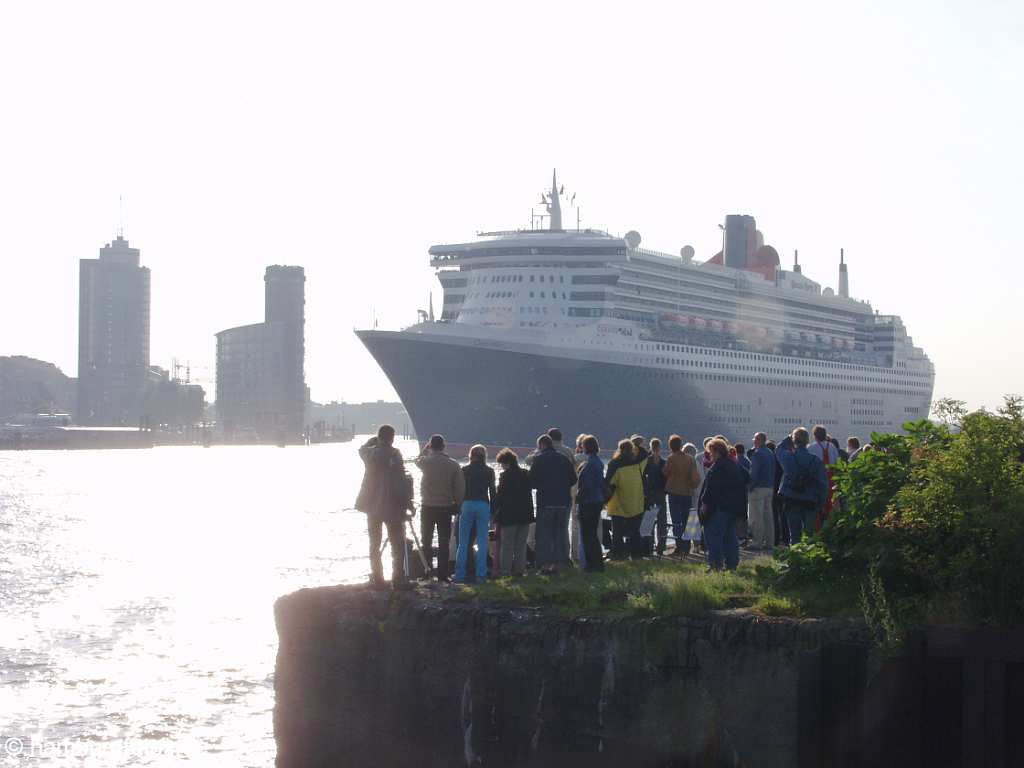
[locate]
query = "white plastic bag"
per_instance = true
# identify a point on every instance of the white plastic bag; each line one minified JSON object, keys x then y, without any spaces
{"x":692,"y":531}
{"x":647,"y":524}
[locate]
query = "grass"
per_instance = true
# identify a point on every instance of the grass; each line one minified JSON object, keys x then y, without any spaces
{"x":659,"y":588}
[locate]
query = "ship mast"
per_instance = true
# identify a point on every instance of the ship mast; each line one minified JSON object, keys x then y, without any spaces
{"x":554,"y":206}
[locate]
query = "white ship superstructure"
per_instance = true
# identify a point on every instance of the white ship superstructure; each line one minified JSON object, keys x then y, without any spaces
{"x":593,"y":332}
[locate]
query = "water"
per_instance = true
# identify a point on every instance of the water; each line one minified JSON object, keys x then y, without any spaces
{"x":137,"y":592}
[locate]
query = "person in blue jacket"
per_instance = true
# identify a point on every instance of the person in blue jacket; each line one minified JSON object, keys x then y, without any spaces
{"x":590,"y":497}
{"x":804,"y":486}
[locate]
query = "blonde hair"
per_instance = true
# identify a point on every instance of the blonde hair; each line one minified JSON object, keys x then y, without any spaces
{"x":478,"y":453}
{"x":625,"y":450}
{"x":719,"y":446}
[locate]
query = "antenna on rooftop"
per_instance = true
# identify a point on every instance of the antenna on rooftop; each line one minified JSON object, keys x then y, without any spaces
{"x":844,"y":276}
{"x":120,"y":216}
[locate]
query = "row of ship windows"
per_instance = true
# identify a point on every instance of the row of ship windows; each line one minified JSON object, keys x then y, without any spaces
{"x":672,"y":275}
{"x":524,"y":250}
{"x":727,"y":407}
{"x":573,"y":296}
{"x":795,"y":321}
{"x":534,"y":310}
{"x":656,"y":347}
{"x":899,"y":377}
{"x":750,"y":303}
{"x":775,"y":371}
{"x":727,"y":308}
{"x":791,"y":420}
{"x":611,"y":280}
{"x":480,"y":279}
{"x":574,"y":279}
{"x":648,"y":373}
{"x":599,"y":312}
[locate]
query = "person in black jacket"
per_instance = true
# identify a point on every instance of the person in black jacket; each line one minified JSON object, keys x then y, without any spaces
{"x":476,"y":513}
{"x":723,"y":500}
{"x":781,"y":526}
{"x":513,"y":512}
{"x":553,"y":475}
{"x":654,"y":496}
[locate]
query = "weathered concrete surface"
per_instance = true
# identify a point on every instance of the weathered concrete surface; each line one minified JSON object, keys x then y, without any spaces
{"x":380,"y":679}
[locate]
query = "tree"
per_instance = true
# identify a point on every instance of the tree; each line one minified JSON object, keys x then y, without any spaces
{"x":950,"y":411}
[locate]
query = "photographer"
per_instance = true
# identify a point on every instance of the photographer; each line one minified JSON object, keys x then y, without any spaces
{"x":442,"y":487}
{"x":385,"y":495}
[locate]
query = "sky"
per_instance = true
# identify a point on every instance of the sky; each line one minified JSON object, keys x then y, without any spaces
{"x":348,"y":138}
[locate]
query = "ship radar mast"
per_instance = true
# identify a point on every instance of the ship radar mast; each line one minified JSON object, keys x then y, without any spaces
{"x":553,"y":204}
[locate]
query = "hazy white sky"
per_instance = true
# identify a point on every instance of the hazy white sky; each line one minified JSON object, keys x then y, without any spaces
{"x":347,"y":138}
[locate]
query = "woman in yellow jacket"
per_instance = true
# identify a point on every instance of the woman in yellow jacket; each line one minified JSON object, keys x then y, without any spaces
{"x":626,"y":506}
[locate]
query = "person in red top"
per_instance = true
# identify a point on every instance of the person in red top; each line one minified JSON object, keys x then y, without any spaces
{"x":824,"y":450}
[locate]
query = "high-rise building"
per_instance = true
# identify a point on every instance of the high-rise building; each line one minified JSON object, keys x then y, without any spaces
{"x":113,"y":336}
{"x":285,"y":305}
{"x":261,"y":382}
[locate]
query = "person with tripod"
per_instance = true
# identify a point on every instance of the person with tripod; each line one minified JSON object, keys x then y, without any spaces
{"x":385,"y":495}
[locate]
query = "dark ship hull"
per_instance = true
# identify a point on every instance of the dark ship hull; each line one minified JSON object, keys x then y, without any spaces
{"x":474,"y":394}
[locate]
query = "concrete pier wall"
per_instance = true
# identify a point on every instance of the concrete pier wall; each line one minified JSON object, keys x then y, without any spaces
{"x":368,"y":678}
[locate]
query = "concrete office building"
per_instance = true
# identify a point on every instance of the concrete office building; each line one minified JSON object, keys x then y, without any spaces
{"x":261,"y":381}
{"x":171,"y":403}
{"x":113,"y":336}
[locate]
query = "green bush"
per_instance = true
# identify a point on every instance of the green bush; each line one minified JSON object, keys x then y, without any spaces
{"x":931,"y":527}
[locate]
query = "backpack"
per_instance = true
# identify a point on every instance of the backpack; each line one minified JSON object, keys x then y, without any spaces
{"x":803,"y":479}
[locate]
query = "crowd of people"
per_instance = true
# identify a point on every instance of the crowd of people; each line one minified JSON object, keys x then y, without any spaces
{"x":549,"y":514}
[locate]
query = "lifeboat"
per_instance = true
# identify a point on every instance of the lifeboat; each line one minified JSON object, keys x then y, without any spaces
{"x":716,"y":325}
{"x":699,"y":322}
{"x":732,"y":327}
{"x":675,"y":322}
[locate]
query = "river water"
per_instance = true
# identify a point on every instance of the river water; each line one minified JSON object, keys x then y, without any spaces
{"x":137,"y":591}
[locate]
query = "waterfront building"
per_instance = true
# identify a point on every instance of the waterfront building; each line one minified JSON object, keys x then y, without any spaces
{"x":171,"y":403}
{"x":363,"y":418}
{"x":113,"y":336}
{"x":261,"y":382}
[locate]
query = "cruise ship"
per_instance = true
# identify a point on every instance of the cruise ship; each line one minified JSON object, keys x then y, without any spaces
{"x":590,"y":332}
